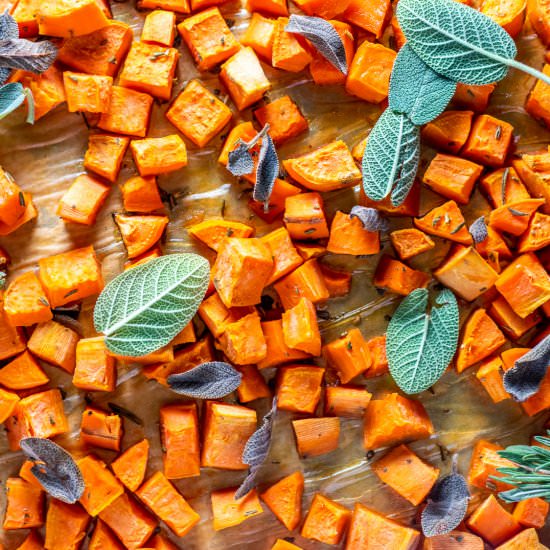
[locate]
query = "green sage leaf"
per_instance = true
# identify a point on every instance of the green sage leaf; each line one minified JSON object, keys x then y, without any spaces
{"x":457,"y":41}
{"x":416,"y":90}
{"x":54,"y":468}
{"x":391,"y":157}
{"x":11,"y":96}
{"x":421,"y":344}
{"x":144,"y":308}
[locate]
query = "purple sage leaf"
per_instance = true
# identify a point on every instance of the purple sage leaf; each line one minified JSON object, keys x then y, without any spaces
{"x":370,"y":218}
{"x":524,"y":378}
{"x":446,"y":507}
{"x":240,"y":161}
{"x":267,"y":171}
{"x":478,"y":230}
{"x":54,"y":468}
{"x":212,"y":380}
{"x":9,"y":30}
{"x":323,"y":36}
{"x":22,"y":54}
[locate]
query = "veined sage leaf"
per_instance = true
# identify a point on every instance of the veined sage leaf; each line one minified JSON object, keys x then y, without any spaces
{"x":256,"y":451}
{"x":12,"y":95}
{"x":266,"y":172}
{"x":212,"y":380}
{"x":421,"y":344}
{"x":35,"y":57}
{"x":416,"y":90}
{"x":54,"y":468}
{"x":240,"y":160}
{"x":524,"y":379}
{"x":9,"y":30}
{"x":447,"y":505}
{"x":370,"y":218}
{"x":323,"y":36}
{"x":144,"y":308}
{"x":478,"y":230}
{"x":391,"y":157}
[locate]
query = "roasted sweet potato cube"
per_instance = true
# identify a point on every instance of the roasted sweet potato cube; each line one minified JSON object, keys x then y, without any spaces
{"x":489,"y":141}
{"x":369,"y":74}
{"x":406,"y":473}
{"x":180,"y":440}
{"x":538,"y":102}
{"x":104,"y":155}
{"x":349,"y":236}
{"x":150,"y":68}
{"x":299,"y":388}
{"x":103,"y":538}
{"x":25,"y":301}
{"x":226,"y":430}
{"x":229,"y":512}
{"x":326,"y":520}
{"x":284,"y":118}
{"x":445,"y":221}
{"x":534,"y":171}
{"x":316,"y":436}
{"x":95,"y":370}
{"x":65,"y":525}
{"x":514,"y":217}
{"x":8,"y":401}
{"x":87,"y":93}
{"x":525,"y":284}
{"x":159,"y":27}
{"x":285,"y":255}
{"x":43,"y":414}
{"x":531,"y":512}
{"x":301,"y":328}
{"x":55,"y":343}
{"x":131,"y":523}
{"x":216,"y":316}
{"x":272,"y":7}
{"x":253,"y":385}
{"x":323,"y":8}
{"x":12,"y":339}
{"x":490,"y":376}
{"x":338,"y":282}
{"x":131,"y":465}
{"x":278,"y":353}
{"x":128,"y":114}
{"x":466,"y":273}
{"x":537,"y":235}
{"x":368,"y":527}
{"x":101,"y":429}
{"x":304,"y":216}
{"x":480,"y":338}
{"x":169,"y":506}
{"x":410,"y":207}
{"x":212,"y":232}
{"x":288,"y":51}
{"x":346,"y":401}
{"x":155,"y":156}
{"x":12,"y":201}
{"x":276,"y":204}
{"x":141,"y":195}
{"x":539,"y":17}
{"x":198,"y":114}
{"x":509,"y":16}
{"x":328,"y":168}
{"x":503,"y":186}
{"x":370,"y":15}
{"x":449,"y":131}
{"x":410,"y":242}
{"x":348,"y":355}
{"x":100,"y":52}
{"x":24,"y":505}
{"x":284,"y":499}
{"x":395,"y":419}
{"x":241,"y":271}
{"x":452,"y":177}
{"x":179,"y":6}
{"x":23,"y":373}
{"x":259,"y":35}
{"x":24,"y":13}
{"x":475,"y":98}
{"x":244,"y":131}
{"x":244,"y":77}
{"x":398,"y":278}
{"x":83,"y":200}
{"x":243,"y":341}
{"x":511,"y":323}
{"x":208,"y":38}
{"x":140,"y":233}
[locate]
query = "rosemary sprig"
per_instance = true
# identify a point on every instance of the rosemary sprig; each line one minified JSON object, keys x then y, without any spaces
{"x":531,"y":474}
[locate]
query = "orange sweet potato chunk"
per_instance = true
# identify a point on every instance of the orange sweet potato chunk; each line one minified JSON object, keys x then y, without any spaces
{"x":243,"y":341}
{"x":284,"y":499}
{"x":68,"y":18}
{"x":154,"y":156}
{"x":410,"y":242}
{"x":288,"y":51}
{"x":23,"y":373}
{"x":326,"y":521}
{"x":131,"y":465}
{"x":83,"y":200}
{"x":346,"y":401}
{"x":348,"y":236}
{"x":259,"y":35}
{"x":24,"y":505}
{"x":445,"y":221}
{"x":87,"y":93}
{"x":449,"y":131}
{"x":316,"y":436}
{"x":277,"y":352}
{"x":95,"y":369}
{"x":65,"y":525}
{"x":398,"y":278}
{"x":56,"y":344}
{"x":229,"y":512}
{"x":25,"y":302}
{"x":101,"y":429}
{"x":370,"y":15}
{"x":301,"y":329}
{"x":509,"y":14}
{"x":140,"y":233}
{"x":348,"y":355}
{"x":105,"y":154}
{"x":159,"y":27}
{"x":12,"y":203}
{"x":285,"y":255}
{"x":299,"y":388}
{"x":284,"y":118}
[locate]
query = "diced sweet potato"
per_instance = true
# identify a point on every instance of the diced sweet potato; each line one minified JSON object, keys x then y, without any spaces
{"x":155,"y":156}
{"x":398,"y":278}
{"x":537,"y":234}
{"x":140,"y":233}
{"x":179,"y":6}
{"x":288,"y":51}
{"x":212,"y":232}
{"x":103,"y":538}
{"x":370,"y":15}
{"x":24,"y":13}
{"x":95,"y":370}
{"x":8,"y":401}
{"x":278,"y":353}
{"x":159,"y":27}
{"x":348,"y":355}
{"x":455,"y":540}
{"x":12,"y":200}
{"x":503,"y":186}
{"x":12,"y":340}
{"x":445,"y":221}
{"x":105,"y":154}
{"x":473,"y":97}
{"x":410,"y":242}
{"x":284,"y":118}
{"x":489,"y":141}
{"x":87,"y":93}
{"x":490,"y":376}
{"x":300,"y":328}
{"x":531,"y":512}
{"x":68,"y":18}
{"x":131,"y":465}
{"x":24,"y":505}
{"x":514,"y":217}
{"x":284,"y":499}
{"x":316,"y":436}
{"x":243,"y":341}
{"x":65,"y":525}
{"x":141,"y":195}
{"x":511,"y":323}
{"x":229,"y":512}
{"x":326,"y":520}
{"x":253,"y":385}
{"x":285,"y":255}
{"x":346,"y":401}
{"x":259,"y":35}
{"x":299,"y":388}
{"x":83,"y":200}
{"x":304,"y":216}
{"x":25,"y":301}
{"x":509,"y":14}
{"x":525,"y":539}
{"x":348,"y":236}
{"x":449,"y":131}
{"x":23,"y":373}
{"x":484,"y":464}
{"x":338,"y":282}
{"x":56,"y":344}
{"x":101,"y":429}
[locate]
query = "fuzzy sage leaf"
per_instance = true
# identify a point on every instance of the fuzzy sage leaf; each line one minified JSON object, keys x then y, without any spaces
{"x":240,"y":161}
{"x":323,"y":36}
{"x":478,"y":230}
{"x":370,"y":218}
{"x":421,"y":344}
{"x":212,"y":380}
{"x":9,"y":30}
{"x":266,"y":172}
{"x":524,"y":379}
{"x":35,"y":57}
{"x":256,"y":451}
{"x":12,"y":95}
{"x":447,"y":505}
{"x":144,"y":308}
{"x":416,"y":90}
{"x":54,"y":468}
{"x":391,"y":157}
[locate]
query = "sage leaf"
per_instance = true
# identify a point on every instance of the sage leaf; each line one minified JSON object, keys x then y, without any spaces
{"x":240,"y":161}
{"x":256,"y":450}
{"x":391,"y":157}
{"x":457,"y":41}
{"x":323,"y":36}
{"x":12,"y":95}
{"x":524,"y":379}
{"x":30,"y":106}
{"x":371,"y":218}
{"x":266,"y":172}
{"x":54,"y":468}
{"x":144,"y":308}
{"x":416,"y":90}
{"x":35,"y":57}
{"x":9,"y":30}
{"x":478,"y":230}
{"x":212,"y":380}
{"x":447,"y":505}
{"x":421,"y":344}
